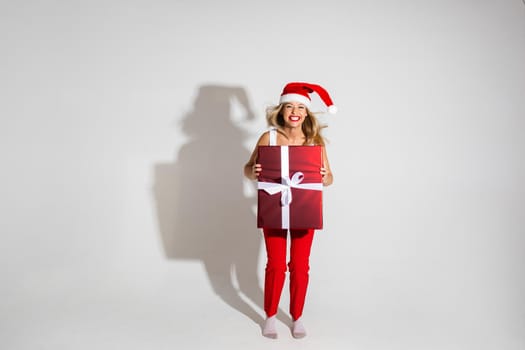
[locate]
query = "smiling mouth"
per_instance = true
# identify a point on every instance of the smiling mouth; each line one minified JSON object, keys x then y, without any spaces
{"x":294,"y":118}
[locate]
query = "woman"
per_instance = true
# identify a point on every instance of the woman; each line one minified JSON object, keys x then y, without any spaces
{"x":292,"y":124}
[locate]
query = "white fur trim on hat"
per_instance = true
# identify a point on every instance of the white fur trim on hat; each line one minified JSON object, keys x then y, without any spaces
{"x":332,"y":109}
{"x":295,"y":98}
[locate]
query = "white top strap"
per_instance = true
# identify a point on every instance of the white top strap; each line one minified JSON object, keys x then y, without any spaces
{"x":273,"y":136}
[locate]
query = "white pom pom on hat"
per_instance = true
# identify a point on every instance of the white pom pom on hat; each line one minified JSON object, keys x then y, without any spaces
{"x":300,"y":92}
{"x":332,"y":109}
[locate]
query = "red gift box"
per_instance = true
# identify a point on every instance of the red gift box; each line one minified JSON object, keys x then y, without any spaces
{"x":290,"y":187}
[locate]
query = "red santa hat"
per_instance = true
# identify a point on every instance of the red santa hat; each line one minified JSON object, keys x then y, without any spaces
{"x":300,"y":92}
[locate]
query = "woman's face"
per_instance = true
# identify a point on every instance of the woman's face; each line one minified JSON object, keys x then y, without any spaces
{"x":293,"y":114}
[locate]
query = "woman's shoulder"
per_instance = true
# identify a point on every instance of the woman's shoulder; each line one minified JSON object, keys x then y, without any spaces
{"x":264,"y":139}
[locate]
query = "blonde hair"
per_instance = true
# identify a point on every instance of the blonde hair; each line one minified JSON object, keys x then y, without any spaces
{"x":311,"y":126}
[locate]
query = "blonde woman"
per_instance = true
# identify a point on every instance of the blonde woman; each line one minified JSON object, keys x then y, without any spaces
{"x":292,"y":124}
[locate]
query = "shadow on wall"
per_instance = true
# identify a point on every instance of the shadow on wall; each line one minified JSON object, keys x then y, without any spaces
{"x":202,"y":211}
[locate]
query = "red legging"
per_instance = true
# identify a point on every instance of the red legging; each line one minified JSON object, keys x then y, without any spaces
{"x":301,"y":242}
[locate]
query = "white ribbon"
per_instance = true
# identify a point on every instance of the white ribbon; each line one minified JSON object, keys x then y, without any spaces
{"x":286,"y":185}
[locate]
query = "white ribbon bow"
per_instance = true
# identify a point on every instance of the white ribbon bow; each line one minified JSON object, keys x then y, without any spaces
{"x":286,"y":185}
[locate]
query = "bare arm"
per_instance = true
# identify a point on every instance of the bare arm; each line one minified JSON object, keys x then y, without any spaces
{"x":326,"y":172}
{"x":252,"y":169}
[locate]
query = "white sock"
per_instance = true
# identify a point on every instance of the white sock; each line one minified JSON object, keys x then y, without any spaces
{"x":298,"y":330}
{"x":269,"y":329}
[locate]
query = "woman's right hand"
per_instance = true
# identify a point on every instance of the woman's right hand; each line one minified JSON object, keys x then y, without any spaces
{"x":256,"y":170}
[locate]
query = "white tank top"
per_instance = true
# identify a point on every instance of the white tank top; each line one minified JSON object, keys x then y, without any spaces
{"x":273,"y":136}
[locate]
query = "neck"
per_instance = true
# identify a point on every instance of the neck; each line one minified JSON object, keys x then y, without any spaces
{"x":294,"y":135}
{"x":293,"y":131}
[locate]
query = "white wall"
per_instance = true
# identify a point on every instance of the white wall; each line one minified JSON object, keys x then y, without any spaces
{"x":125,"y":125}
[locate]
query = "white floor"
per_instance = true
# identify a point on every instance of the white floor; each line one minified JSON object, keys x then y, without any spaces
{"x":177,"y":309}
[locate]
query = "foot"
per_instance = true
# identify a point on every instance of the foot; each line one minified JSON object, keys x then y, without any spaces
{"x":298,"y":330}
{"x":269,"y":330}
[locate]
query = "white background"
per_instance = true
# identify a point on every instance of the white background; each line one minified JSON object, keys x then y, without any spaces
{"x":125,"y":220}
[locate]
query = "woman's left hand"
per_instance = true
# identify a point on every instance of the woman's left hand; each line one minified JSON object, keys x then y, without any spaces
{"x":323,"y":172}
{"x":327,"y":176}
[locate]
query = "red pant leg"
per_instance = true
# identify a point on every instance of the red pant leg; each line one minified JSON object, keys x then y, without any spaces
{"x":275,"y":272}
{"x":301,"y":243}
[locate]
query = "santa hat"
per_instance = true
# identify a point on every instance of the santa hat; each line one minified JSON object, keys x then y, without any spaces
{"x":300,"y":92}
